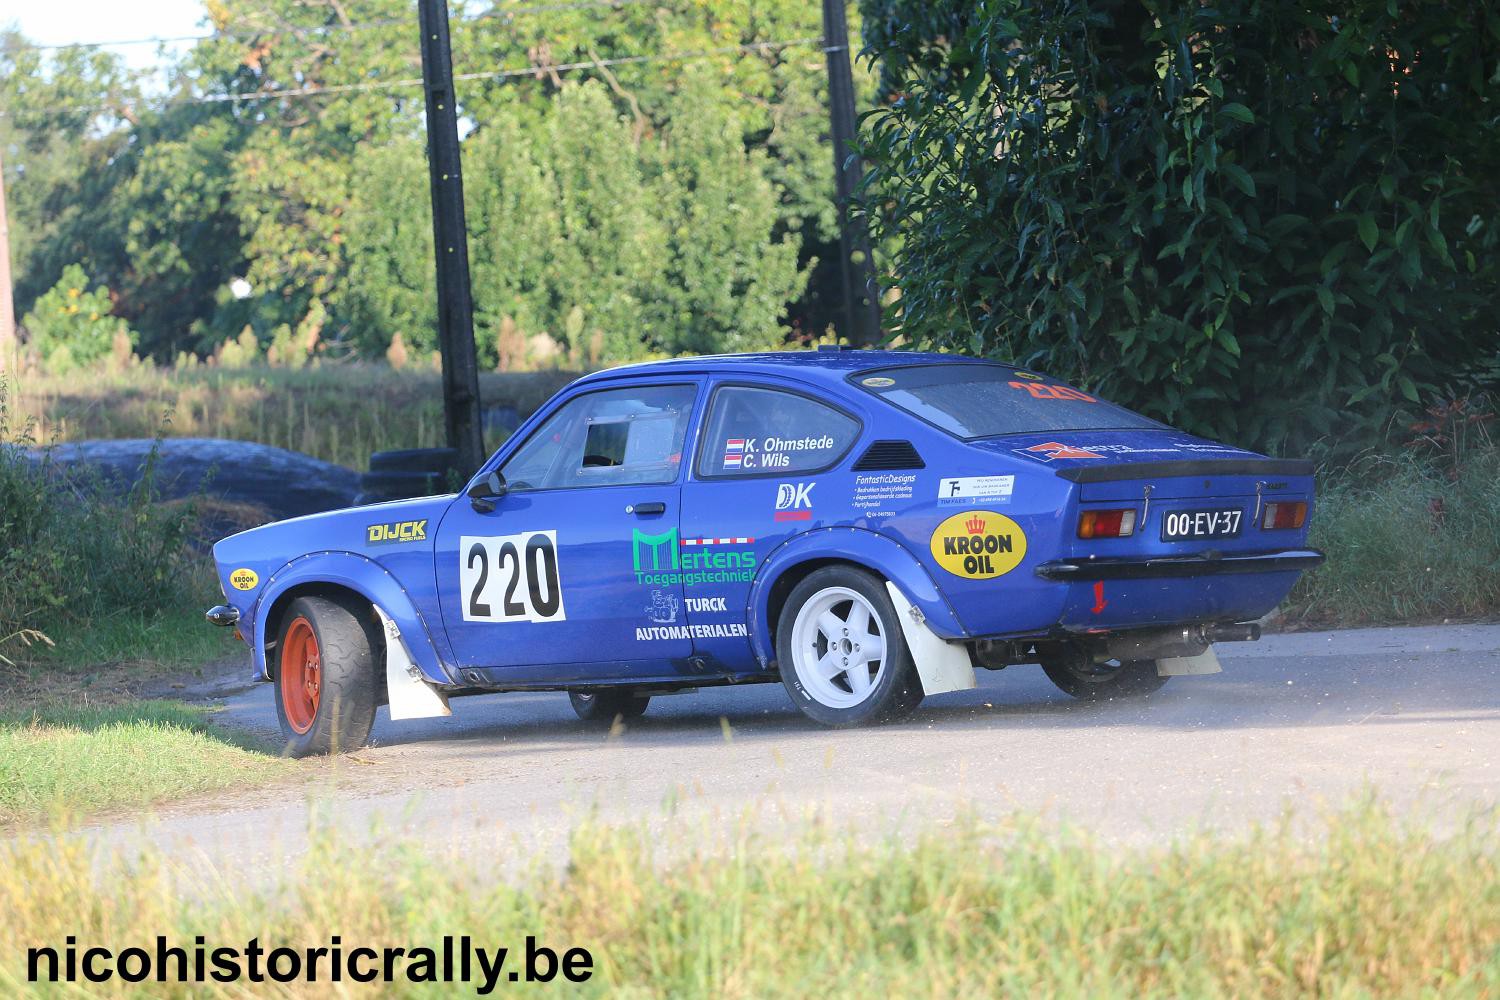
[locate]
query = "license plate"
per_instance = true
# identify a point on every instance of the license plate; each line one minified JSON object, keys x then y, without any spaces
{"x":1182,"y":525}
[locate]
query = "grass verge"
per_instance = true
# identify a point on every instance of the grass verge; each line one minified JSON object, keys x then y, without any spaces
{"x":1370,"y":907}
{"x":61,"y":761}
{"x":1406,"y":542}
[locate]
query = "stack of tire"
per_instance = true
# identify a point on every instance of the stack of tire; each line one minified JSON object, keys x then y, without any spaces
{"x":408,"y":473}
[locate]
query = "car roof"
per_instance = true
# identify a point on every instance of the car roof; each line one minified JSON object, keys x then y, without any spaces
{"x":820,"y":365}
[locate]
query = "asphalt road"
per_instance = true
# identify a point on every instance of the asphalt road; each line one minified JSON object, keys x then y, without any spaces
{"x":1306,"y":720}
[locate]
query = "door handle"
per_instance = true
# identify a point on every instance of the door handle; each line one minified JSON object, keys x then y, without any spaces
{"x":650,"y":507}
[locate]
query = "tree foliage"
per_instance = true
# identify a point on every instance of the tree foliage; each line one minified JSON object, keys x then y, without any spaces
{"x":1264,"y":220}
{"x":616,"y":211}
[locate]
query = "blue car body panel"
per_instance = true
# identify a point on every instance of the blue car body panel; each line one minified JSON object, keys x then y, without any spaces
{"x":675,"y":582}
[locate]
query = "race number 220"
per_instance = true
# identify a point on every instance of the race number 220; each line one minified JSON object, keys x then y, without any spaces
{"x":510,"y":578}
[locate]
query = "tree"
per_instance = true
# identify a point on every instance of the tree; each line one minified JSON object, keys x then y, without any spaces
{"x":589,"y":188}
{"x":1262,"y":220}
{"x":615,"y":244}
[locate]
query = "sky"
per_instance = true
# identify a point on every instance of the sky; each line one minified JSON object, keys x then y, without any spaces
{"x":59,"y":22}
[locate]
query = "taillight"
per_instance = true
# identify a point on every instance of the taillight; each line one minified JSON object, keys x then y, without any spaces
{"x":1284,"y":515}
{"x":1106,"y":523}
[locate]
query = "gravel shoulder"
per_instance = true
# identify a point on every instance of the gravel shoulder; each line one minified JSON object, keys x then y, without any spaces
{"x":1301,"y":720}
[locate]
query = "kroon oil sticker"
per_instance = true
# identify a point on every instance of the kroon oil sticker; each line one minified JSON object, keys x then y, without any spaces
{"x":979,"y":544}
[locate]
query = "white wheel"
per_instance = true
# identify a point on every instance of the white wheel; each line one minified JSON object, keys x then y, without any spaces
{"x":837,"y":647}
{"x":840,"y":649}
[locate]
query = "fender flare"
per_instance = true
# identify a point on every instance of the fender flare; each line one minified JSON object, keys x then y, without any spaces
{"x":365,"y":577}
{"x":876,"y":552}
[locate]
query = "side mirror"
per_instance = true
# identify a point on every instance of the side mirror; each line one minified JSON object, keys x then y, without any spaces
{"x":482,"y":494}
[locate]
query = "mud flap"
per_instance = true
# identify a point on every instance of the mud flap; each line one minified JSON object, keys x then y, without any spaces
{"x":942,"y":665}
{"x":410,"y":695}
{"x":1180,"y":666}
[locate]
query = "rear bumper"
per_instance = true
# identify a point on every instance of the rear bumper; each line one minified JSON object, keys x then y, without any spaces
{"x":1164,"y":567}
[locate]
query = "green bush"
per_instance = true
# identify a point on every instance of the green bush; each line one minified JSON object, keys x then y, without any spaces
{"x":1262,"y":220}
{"x":76,"y":555}
{"x":71,"y":326}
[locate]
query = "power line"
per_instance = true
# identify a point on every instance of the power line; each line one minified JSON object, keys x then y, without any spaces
{"x":535,"y":69}
{"x":248,"y":34}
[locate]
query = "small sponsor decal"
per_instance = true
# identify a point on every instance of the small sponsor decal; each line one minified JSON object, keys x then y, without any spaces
{"x":1030,"y":375}
{"x":878,"y":382}
{"x":728,"y":630}
{"x":771,"y":452}
{"x":966,"y":490}
{"x":1050,"y":450}
{"x":1040,"y":391}
{"x":400,"y":531}
{"x":707,"y":605}
{"x":663,"y":607}
{"x":510,"y":578}
{"x":244,"y":579}
{"x":734,"y":453}
{"x":875,"y":492}
{"x":978,"y":545}
{"x":662,"y":561}
{"x":794,"y":501}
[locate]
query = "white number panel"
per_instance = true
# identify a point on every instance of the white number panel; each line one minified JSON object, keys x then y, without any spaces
{"x":510,"y":578}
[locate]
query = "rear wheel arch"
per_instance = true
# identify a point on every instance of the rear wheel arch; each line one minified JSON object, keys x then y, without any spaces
{"x":863,"y":549}
{"x":787,"y":581}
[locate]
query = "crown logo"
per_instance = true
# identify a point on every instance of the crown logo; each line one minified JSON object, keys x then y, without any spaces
{"x":975,"y":525}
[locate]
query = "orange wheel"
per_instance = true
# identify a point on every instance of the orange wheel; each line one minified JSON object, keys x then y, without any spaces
{"x":301,"y":675}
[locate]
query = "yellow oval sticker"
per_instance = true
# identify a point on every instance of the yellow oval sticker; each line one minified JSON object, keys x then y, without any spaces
{"x":879,"y":382}
{"x":244,"y":579}
{"x":1020,"y":374}
{"x":979,"y":545}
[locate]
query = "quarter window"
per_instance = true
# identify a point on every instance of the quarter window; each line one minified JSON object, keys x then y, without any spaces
{"x":609,"y":438}
{"x":754,"y":432}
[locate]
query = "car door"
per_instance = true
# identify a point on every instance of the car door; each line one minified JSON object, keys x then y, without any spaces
{"x":578,"y":561}
{"x":756,"y":480}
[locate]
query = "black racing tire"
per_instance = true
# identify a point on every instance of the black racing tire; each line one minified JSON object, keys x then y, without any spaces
{"x":837,"y":701}
{"x":605,"y":705}
{"x":1074,"y":672}
{"x":333,"y":714}
{"x":437,"y":460}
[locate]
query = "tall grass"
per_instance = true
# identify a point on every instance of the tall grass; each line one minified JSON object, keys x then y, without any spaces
{"x":338,"y":412}
{"x":77,"y":557}
{"x":1372,"y":907}
{"x":1408,"y":539}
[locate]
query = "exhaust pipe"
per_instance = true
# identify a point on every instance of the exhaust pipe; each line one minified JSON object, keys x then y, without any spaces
{"x":1184,"y":641}
{"x":1248,"y":632}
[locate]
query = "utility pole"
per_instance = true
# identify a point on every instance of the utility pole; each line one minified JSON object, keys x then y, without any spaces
{"x":7,"y":304}
{"x":861,"y":326}
{"x":450,"y":241}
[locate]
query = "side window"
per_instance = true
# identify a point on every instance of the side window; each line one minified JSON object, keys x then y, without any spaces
{"x":754,"y":432}
{"x":608,"y":438}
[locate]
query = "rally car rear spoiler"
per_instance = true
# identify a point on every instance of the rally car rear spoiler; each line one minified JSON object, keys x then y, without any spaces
{"x":1192,"y":467}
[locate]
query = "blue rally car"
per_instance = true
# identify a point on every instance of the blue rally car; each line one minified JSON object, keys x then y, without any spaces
{"x":866,"y":526}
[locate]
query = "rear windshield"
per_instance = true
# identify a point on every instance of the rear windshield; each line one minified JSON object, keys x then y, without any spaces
{"x":972,"y":401}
